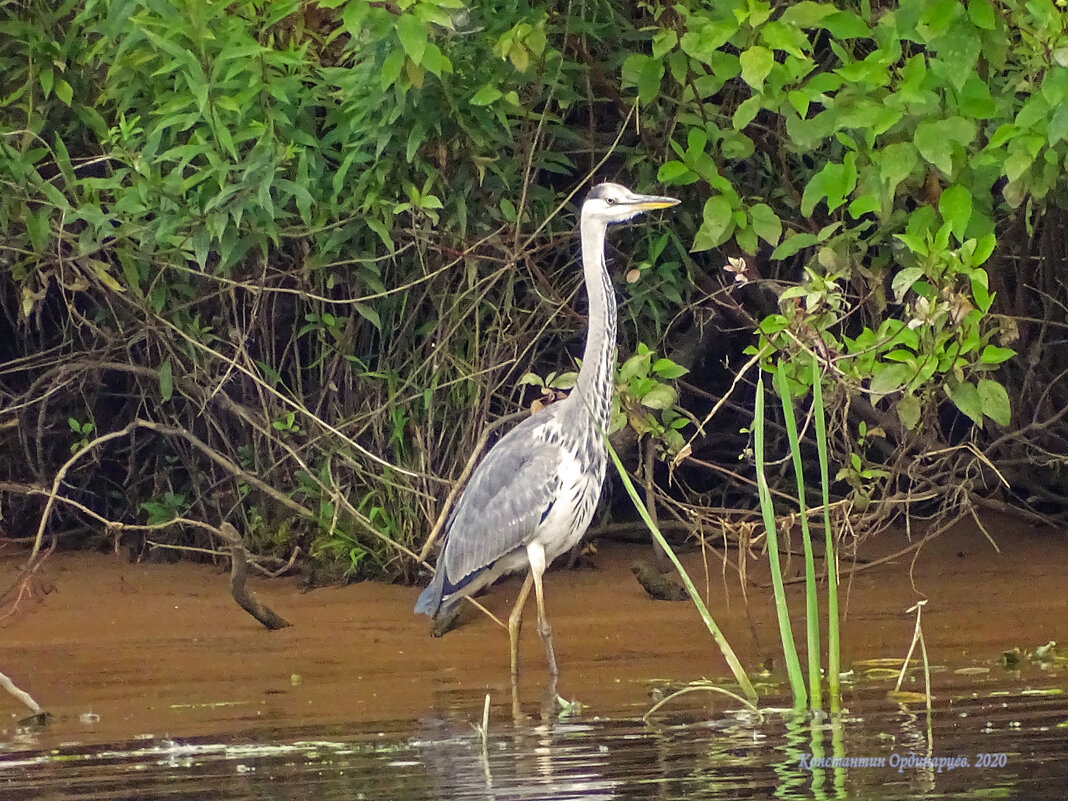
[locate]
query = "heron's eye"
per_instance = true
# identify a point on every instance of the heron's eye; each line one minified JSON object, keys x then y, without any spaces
{"x":611,"y":201}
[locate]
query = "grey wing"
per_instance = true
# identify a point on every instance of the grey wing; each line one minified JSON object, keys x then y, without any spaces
{"x":509,"y":494}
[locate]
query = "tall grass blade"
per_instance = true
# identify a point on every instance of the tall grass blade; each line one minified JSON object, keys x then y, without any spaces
{"x":812,"y":612}
{"x":717,"y":635}
{"x":834,"y":689}
{"x":793,"y":665}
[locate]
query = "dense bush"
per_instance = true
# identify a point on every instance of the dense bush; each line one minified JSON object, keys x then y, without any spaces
{"x":301,"y":253}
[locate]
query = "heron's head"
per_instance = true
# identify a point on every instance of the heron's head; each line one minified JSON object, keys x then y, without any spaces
{"x":612,"y":203}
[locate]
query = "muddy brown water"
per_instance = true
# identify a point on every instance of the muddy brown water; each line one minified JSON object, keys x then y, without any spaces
{"x":161,"y":687}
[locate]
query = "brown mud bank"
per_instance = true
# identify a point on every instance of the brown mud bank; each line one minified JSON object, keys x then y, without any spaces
{"x":117,"y":650}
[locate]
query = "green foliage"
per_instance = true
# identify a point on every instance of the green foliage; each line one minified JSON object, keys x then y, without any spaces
{"x":83,"y":430}
{"x":891,"y":110}
{"x":646,"y":399}
{"x":321,"y":239}
{"x":257,"y":215}
{"x":169,"y":506}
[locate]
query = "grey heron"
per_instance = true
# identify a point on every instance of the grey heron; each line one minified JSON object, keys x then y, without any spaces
{"x":534,"y":494}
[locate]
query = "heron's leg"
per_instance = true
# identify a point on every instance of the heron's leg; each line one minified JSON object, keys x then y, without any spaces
{"x":536,"y":557}
{"x":515,"y":622}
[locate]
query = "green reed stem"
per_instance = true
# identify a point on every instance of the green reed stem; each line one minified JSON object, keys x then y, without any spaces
{"x":793,"y":665}
{"x":812,"y":614}
{"x":717,"y":635}
{"x":831,"y":559}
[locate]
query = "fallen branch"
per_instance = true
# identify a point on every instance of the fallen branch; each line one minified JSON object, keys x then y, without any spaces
{"x":239,"y":577}
{"x":20,"y":694}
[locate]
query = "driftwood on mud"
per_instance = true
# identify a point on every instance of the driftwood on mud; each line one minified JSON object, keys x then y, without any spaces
{"x":39,"y":717}
{"x":20,"y":694}
{"x":238,"y":582}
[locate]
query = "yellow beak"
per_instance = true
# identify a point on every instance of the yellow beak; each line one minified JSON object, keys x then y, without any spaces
{"x":649,"y":202}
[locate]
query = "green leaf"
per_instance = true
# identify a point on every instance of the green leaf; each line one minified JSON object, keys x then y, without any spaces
{"x":369,"y":314}
{"x":1033,"y":112}
{"x":766,"y":223}
{"x":717,"y":224}
{"x":64,"y":91}
{"x":865,"y":204}
{"x":747,"y":240}
{"x":981,"y":293}
{"x":383,"y":232}
{"x":166,"y":380}
{"x":846,"y":25}
{"x":486,"y":95}
{"x":201,"y":242}
{"x":703,"y":43}
{"x":807,"y":14}
{"x":664,"y":42}
{"x":665,"y":368}
{"x":904,"y":280}
{"x":39,"y":227}
{"x":412,"y":33}
{"x":788,"y":38}
{"x":834,"y":182}
{"x":756,"y":63}
{"x":46,"y":78}
{"x":391,"y":68}
{"x":995,"y":401}
{"x":966,"y":398}
{"x":908,"y":411}
{"x":955,"y":206}
{"x":662,"y":396}
{"x":981,"y":13}
{"x":746,"y":111}
{"x":890,"y":378}
{"x":992,"y":354}
{"x":896,"y":162}
{"x":652,"y":73}
{"x":933,"y":146}
{"x":983,"y":248}
{"x":974,"y":99}
{"x":634,"y":366}
{"x":645,"y":73}
{"x":793,"y":243}
{"x":675,"y":172}
{"x":1058,"y":125}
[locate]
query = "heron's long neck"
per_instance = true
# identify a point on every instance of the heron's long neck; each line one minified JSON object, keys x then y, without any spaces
{"x":596,"y":377}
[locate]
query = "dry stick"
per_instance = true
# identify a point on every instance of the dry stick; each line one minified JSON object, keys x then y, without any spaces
{"x":686,"y":449}
{"x":120,"y":527}
{"x":580,"y":184}
{"x":47,"y":513}
{"x":648,"y":450}
{"x":299,"y":408}
{"x":238,"y":578}
{"x":917,"y":636}
{"x":22,"y":695}
{"x":162,"y":429}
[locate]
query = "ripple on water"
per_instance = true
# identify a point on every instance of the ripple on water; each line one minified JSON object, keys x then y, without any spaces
{"x":1019,"y":731}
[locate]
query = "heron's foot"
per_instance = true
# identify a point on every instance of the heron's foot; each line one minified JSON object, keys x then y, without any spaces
{"x":546,"y":633}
